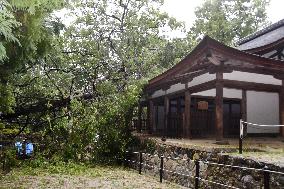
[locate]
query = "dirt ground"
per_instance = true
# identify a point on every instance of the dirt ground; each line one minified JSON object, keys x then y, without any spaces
{"x":100,"y":177}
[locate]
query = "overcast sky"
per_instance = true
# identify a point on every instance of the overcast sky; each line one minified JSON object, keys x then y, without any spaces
{"x":183,"y":10}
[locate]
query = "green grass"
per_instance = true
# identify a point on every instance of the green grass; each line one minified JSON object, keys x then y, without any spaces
{"x":71,"y":175}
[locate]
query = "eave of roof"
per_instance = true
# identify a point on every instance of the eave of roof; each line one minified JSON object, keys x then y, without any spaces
{"x":204,"y":46}
{"x":194,"y":53}
{"x":271,"y":27}
{"x":267,"y":48}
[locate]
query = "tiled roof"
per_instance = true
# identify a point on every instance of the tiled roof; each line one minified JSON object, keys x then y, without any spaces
{"x":261,"y":32}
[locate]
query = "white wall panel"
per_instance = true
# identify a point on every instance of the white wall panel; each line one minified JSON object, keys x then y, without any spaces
{"x":211,"y":93}
{"x":175,"y":88}
{"x":252,"y":77}
{"x":158,"y":93}
{"x":232,"y":93}
{"x":202,"y":79}
{"x":262,"y":108}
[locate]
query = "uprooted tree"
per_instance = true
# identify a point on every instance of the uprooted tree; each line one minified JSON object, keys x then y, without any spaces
{"x":76,"y":85}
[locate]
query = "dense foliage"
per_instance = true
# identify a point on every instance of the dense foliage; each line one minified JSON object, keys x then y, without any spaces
{"x":74,"y":87}
{"x":228,"y":21}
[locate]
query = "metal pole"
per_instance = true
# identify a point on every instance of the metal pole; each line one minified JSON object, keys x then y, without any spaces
{"x":241,"y":138}
{"x":266,"y":178}
{"x":140,"y":162}
{"x":161,"y":168}
{"x":197,"y":168}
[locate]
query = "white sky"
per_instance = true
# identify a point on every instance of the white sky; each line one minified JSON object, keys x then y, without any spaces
{"x":183,"y":10}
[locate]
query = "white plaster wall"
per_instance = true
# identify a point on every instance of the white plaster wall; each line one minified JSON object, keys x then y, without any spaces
{"x":211,"y":93}
{"x":232,"y":93}
{"x":262,"y":108}
{"x":252,"y":77}
{"x":158,"y":93}
{"x":202,"y":79}
{"x":176,"y":87}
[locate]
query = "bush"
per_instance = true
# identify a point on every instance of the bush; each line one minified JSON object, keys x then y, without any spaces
{"x":149,"y":145}
{"x":8,"y":158}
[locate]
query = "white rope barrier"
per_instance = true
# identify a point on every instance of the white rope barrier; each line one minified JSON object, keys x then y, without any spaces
{"x":155,"y":155}
{"x":261,"y":125}
{"x":144,"y":164}
{"x":178,"y":158}
{"x":211,"y":163}
{"x":178,"y":173}
{"x":233,"y":166}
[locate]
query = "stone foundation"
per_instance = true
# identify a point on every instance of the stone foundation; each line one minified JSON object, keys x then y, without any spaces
{"x":180,"y":168}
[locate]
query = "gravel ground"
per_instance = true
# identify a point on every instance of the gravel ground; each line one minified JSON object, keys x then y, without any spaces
{"x":98,"y":177}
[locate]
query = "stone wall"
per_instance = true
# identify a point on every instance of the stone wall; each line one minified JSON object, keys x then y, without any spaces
{"x":180,"y":168}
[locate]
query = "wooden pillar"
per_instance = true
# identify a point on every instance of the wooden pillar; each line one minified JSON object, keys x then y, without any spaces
{"x":219,"y":106}
{"x":151,"y":116}
{"x":186,"y":127}
{"x":166,"y":114}
{"x":139,"y":126}
{"x":148,"y":122}
{"x":244,"y":108}
{"x":281,"y":109}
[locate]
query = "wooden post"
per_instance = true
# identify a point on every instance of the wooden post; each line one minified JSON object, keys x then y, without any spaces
{"x":197,"y":169}
{"x":244,"y":109}
{"x":186,"y":127}
{"x":140,"y":162}
{"x":161,"y":168}
{"x":179,"y":125}
{"x":241,"y":136}
{"x":281,"y":109}
{"x":266,"y":178}
{"x":151,"y":116}
{"x":139,"y":118}
{"x":219,"y":106}
{"x":166,"y":114}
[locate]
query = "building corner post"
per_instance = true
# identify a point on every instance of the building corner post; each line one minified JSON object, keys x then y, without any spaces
{"x":219,"y":106}
{"x":187,"y":126}
{"x":151,"y":116}
{"x":139,"y":118}
{"x":281,"y":109}
{"x":166,"y":115}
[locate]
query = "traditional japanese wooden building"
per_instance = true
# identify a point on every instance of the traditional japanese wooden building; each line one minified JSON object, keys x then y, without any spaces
{"x":213,"y":87}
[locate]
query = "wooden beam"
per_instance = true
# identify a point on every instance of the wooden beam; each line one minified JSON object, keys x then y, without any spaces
{"x":244,"y":105}
{"x":139,"y":118}
{"x":187,"y":125}
{"x":202,"y":87}
{"x":281,"y":101}
{"x":166,"y":115}
{"x":219,"y":106}
{"x":251,"y":86}
{"x":255,"y":69}
{"x":152,"y":116}
{"x":244,"y":108}
{"x":184,"y":78}
{"x":197,"y":88}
